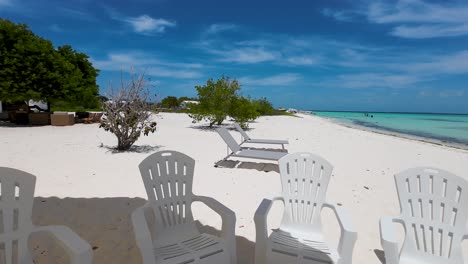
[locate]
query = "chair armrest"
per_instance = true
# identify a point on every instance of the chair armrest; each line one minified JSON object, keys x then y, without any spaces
{"x":261,"y":229}
{"x":228,"y":229}
{"x":79,"y":250}
{"x":348,"y":233}
{"x":388,"y":239}
{"x":143,"y":235}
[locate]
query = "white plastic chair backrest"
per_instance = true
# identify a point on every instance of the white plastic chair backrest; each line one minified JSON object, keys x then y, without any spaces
{"x":168,"y":177}
{"x":434,"y":211}
{"x":304,"y":180}
{"x":239,"y":128}
{"x":16,"y":202}
{"x":227,"y":137}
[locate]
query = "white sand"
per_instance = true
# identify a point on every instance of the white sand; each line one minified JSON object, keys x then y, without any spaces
{"x":70,"y":162}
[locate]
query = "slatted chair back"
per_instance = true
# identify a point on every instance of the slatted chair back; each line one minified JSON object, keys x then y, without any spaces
{"x":304,"y":179}
{"x":168,"y":177}
{"x":434,"y":212}
{"x":16,"y":202}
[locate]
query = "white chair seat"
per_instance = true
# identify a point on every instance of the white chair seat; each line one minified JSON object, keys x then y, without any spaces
{"x":284,"y":245}
{"x":193,"y":250}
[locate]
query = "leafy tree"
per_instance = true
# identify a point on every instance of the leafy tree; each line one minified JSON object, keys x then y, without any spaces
{"x":214,"y":100}
{"x":129,"y":112}
{"x":242,"y":111}
{"x":263,"y":106}
{"x":170,"y":102}
{"x":31,"y":68}
{"x":87,"y":91}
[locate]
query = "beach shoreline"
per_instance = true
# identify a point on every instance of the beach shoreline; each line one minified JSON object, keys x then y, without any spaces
{"x":429,"y":140}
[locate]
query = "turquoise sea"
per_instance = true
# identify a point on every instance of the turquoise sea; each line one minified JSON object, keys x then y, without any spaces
{"x":451,"y":128}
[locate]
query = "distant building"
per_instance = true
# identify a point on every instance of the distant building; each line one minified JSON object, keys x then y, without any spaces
{"x":281,"y":109}
{"x":187,"y":103}
{"x":292,"y":111}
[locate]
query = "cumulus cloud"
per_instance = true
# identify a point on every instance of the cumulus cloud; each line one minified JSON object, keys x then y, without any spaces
{"x":275,"y":80}
{"x":146,"y":24}
{"x":217,"y":28}
{"x":144,"y":62}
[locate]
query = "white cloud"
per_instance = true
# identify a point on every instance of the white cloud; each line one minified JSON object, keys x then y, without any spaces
{"x":303,"y":60}
{"x":5,"y":3}
{"x":217,"y":28}
{"x":456,"y":63}
{"x":422,"y":32}
{"x":276,"y":80}
{"x":246,"y":55}
{"x":372,"y":80}
{"x":147,"y":24}
{"x":56,"y":28}
{"x":143,"y":62}
{"x":418,"y":19}
{"x":337,"y":15}
{"x":451,"y":93}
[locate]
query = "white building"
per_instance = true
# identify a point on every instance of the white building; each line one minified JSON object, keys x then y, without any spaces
{"x":187,"y":103}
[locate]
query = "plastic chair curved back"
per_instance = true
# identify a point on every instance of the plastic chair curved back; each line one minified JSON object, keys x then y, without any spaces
{"x":304,"y":180}
{"x":168,"y":177}
{"x":434,"y":211}
{"x":16,"y":202}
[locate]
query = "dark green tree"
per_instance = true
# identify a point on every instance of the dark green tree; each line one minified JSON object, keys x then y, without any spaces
{"x":263,"y":106}
{"x":214,"y":100}
{"x":87,"y":91}
{"x":170,"y":102}
{"x":31,"y":68}
{"x":242,"y":111}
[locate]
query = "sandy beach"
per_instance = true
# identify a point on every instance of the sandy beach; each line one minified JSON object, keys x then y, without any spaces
{"x":84,"y":184}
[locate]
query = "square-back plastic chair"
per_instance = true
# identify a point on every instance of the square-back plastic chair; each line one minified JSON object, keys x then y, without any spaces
{"x":434,"y":211}
{"x":164,"y":227}
{"x":299,"y":239}
{"x":16,"y":202}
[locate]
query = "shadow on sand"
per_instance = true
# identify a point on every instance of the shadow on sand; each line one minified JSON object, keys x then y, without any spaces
{"x":259,"y":166}
{"x":134,"y":149}
{"x":105,"y":223}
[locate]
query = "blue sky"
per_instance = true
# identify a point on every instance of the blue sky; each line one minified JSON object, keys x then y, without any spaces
{"x":409,"y":55}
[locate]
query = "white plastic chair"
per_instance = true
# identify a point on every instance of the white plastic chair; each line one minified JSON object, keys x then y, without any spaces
{"x":299,"y":239}
{"x":434,"y":212}
{"x":16,"y":202}
{"x":164,"y":227}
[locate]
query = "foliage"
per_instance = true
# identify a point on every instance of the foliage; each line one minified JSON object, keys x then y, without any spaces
{"x":128,"y":113}
{"x":31,"y":68}
{"x":214,"y":100}
{"x":170,"y":102}
{"x":242,"y":111}
{"x":263,"y":106}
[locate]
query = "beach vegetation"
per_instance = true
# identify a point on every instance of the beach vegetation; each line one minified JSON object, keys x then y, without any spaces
{"x":243,"y":110}
{"x":263,"y":106}
{"x":128,"y":111}
{"x":31,"y":68}
{"x":215,"y":100}
{"x":170,"y":102}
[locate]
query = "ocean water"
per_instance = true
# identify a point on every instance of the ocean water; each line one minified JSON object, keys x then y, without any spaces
{"x":450,"y":128}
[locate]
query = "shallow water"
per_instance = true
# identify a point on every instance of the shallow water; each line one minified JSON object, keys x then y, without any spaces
{"x":445,"y":127}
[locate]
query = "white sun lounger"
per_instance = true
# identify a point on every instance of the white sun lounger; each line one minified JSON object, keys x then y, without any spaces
{"x":300,"y":238}
{"x":16,"y":203}
{"x":236,"y":150}
{"x":434,"y":214}
{"x":247,"y":139}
